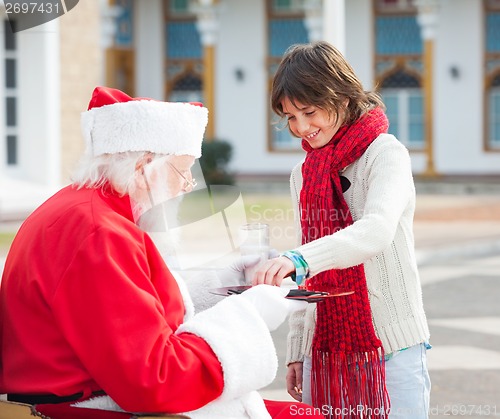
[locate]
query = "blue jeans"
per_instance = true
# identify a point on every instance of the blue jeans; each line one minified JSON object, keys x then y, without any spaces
{"x":407,"y":381}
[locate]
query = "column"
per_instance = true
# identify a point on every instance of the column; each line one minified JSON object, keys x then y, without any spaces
{"x":334,"y":23}
{"x":208,"y":26}
{"x":428,"y":20}
{"x":149,"y":35}
{"x":314,"y":19}
{"x":39,"y":107}
{"x":109,"y":13}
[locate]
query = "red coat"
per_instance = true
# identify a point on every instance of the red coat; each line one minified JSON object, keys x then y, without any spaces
{"x":87,"y":303}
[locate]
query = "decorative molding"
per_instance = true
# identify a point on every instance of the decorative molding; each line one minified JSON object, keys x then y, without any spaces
{"x":207,"y":20}
{"x":314,"y":19}
{"x":427,"y":17}
{"x":109,"y":13}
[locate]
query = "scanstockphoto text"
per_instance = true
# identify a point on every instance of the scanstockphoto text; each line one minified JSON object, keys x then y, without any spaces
{"x":315,"y":214}
{"x":281,"y":221}
{"x":26,"y":14}
{"x":367,"y":412}
{"x":27,"y":7}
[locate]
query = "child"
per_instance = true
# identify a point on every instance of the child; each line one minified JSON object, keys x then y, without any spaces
{"x":354,"y":198}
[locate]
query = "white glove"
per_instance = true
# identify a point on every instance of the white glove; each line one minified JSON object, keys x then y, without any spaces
{"x":271,"y":304}
{"x":234,"y":273}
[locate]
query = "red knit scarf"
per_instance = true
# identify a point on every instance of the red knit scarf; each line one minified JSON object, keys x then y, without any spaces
{"x":348,"y":368}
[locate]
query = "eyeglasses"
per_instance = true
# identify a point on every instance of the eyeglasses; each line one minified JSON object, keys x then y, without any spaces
{"x":189,"y":184}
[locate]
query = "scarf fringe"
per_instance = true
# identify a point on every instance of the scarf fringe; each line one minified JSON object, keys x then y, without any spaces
{"x":350,"y":385}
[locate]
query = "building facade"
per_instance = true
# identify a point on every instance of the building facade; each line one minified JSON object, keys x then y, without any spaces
{"x":435,"y":62}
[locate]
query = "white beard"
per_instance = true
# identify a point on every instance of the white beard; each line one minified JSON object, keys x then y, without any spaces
{"x":160,"y":223}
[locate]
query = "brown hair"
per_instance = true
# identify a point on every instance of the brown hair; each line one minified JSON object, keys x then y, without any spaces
{"x":317,"y":74}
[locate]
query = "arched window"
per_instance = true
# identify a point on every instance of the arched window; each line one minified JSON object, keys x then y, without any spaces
{"x":286,"y":27}
{"x":10,"y":93}
{"x":120,"y":57}
{"x":188,"y":88}
{"x":184,"y":54}
{"x":402,"y":94}
{"x":399,"y":68}
{"x":396,"y":6}
{"x":494,"y":113}
{"x":492,"y":74}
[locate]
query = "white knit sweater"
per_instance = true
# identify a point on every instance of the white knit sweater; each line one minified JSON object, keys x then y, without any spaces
{"x":381,"y":199}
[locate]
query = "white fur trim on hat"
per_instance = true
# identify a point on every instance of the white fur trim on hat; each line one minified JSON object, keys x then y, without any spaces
{"x":145,"y":125}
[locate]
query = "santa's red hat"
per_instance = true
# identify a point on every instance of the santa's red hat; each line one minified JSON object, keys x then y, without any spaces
{"x":116,"y":122}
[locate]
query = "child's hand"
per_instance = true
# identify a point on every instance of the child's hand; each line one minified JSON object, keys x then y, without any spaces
{"x":294,"y":380}
{"x":274,"y":271}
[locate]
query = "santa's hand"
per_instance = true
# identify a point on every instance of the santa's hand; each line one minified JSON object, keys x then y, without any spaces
{"x":234,"y":274}
{"x":271,"y":304}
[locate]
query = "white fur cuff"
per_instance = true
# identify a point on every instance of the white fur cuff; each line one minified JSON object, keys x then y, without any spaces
{"x":240,"y":339}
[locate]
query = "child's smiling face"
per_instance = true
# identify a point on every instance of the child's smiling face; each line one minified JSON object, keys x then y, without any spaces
{"x":311,"y":123}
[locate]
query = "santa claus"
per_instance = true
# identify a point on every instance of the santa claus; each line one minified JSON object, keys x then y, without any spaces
{"x":91,"y":316}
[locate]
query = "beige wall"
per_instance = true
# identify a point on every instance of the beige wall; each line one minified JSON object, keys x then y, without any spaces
{"x":81,"y":71}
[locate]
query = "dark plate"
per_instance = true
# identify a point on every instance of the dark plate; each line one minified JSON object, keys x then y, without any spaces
{"x":294,"y":294}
